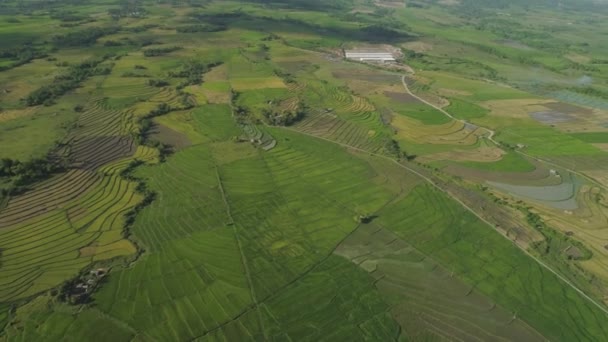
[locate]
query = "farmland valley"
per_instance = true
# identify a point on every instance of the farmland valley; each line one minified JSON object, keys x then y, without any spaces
{"x":290,"y":170}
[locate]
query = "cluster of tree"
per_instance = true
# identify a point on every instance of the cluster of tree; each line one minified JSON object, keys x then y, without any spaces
{"x":187,"y":101}
{"x":128,"y":9}
{"x":555,"y":239}
{"x":68,"y":81}
{"x":271,"y":37}
{"x":285,"y":118}
{"x":24,"y":173}
{"x":69,"y":16}
{"x":286,"y":76}
{"x":381,"y":33}
{"x":141,"y":28}
{"x":392,"y":148}
{"x":141,"y":188}
{"x":157,"y":83}
{"x":83,"y":37}
{"x":160,"y":51}
{"x":201,"y":28}
{"x":111,"y":43}
{"x":193,"y":72}
{"x":591,"y":91}
{"x":21,"y":55}
{"x":134,"y":74}
{"x":599,"y":61}
{"x":145,"y":123}
{"x":315,"y":5}
{"x":411,"y":54}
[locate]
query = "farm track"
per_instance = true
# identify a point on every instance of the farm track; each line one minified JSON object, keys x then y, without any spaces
{"x":464,"y":205}
{"x":492,"y":133}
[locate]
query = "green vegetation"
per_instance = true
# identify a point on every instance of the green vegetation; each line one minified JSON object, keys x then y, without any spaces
{"x":592,"y":137}
{"x":465,"y":110}
{"x":510,"y":162}
{"x":234,"y":178}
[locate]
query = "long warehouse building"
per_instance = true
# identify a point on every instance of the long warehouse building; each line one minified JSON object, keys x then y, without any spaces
{"x":369,"y":56}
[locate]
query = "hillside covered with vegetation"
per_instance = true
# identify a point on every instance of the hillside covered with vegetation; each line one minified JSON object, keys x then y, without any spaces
{"x":206,"y":170}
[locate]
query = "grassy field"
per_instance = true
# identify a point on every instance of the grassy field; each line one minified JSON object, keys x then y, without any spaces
{"x":510,"y":162}
{"x":239,"y":180}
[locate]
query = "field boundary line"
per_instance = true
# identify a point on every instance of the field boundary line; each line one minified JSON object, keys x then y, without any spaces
{"x":430,"y":181}
{"x":492,"y":133}
{"x":243,"y":257}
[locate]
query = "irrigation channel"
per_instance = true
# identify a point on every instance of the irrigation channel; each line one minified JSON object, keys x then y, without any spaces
{"x":491,"y":134}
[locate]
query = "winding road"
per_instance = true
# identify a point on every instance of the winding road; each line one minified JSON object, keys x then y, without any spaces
{"x":492,"y":133}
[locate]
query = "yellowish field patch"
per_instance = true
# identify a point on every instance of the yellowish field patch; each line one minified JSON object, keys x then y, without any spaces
{"x":588,"y":225}
{"x":216,"y":97}
{"x":575,"y":57}
{"x":519,"y":108}
{"x":291,"y":104}
{"x":198,"y":93}
{"x":182,"y":122}
{"x":11,"y":114}
{"x":436,"y":100}
{"x":418,"y":46}
{"x":229,"y":151}
{"x":486,"y":154}
{"x":143,"y":108}
{"x":602,"y":146}
{"x":240,"y":84}
{"x":219,"y":73}
{"x":451,"y":133}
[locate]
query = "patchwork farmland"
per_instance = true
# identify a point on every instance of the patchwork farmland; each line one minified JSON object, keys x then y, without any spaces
{"x":238,"y":171}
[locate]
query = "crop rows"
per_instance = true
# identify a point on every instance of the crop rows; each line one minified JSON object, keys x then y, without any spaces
{"x":464,"y":246}
{"x":44,"y":245}
{"x":287,"y":228}
{"x":53,"y":231}
{"x":190,"y":176}
{"x":334,"y":128}
{"x":426,"y":298}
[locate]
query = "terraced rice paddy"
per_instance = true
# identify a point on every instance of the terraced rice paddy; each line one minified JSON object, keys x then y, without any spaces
{"x":323,"y":229}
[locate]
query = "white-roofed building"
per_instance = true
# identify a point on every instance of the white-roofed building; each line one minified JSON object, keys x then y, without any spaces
{"x":366,"y":56}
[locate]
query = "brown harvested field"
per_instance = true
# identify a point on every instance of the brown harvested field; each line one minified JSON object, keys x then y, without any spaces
{"x":480,"y":154}
{"x":59,"y":191}
{"x":401,"y":97}
{"x":94,"y":152}
{"x":168,"y":136}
